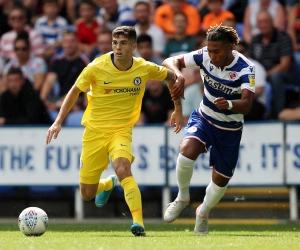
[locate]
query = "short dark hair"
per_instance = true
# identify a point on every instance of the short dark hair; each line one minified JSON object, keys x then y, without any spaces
{"x":23,"y":36}
{"x":127,"y":31}
{"x":144,"y":38}
{"x":142,"y":3}
{"x":89,"y":2}
{"x":18,"y":7}
{"x":220,"y":33}
{"x":50,"y":1}
{"x":14,"y":71}
{"x":70,"y":32}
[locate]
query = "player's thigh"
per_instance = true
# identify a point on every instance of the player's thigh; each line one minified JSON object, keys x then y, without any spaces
{"x":195,"y":140}
{"x":121,"y":145}
{"x":225,"y":152}
{"x":94,"y":157}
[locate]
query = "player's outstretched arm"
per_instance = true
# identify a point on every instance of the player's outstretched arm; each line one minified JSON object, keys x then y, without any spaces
{"x":67,"y":104}
{"x":174,"y":64}
{"x":177,"y":117}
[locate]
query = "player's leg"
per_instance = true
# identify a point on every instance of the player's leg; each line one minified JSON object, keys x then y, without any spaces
{"x":214,"y":192}
{"x":120,"y":151}
{"x":223,"y":159}
{"x":191,"y":146}
{"x":93,"y":162}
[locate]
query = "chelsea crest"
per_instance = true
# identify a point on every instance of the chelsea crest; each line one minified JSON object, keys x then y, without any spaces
{"x":137,"y":81}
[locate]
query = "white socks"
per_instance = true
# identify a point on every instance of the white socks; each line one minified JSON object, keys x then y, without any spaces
{"x":213,"y":195}
{"x":184,"y":172}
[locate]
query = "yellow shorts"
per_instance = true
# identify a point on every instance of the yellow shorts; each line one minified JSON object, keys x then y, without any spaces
{"x":98,"y":147}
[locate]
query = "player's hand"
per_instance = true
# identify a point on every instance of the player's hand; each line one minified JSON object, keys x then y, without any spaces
{"x":53,"y":131}
{"x":221,"y":103}
{"x":176,"y":119}
{"x":178,"y":88}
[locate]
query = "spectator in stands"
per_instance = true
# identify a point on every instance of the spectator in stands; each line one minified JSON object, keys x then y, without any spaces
{"x":144,"y":26}
{"x":34,"y":68}
{"x":64,"y":69}
{"x":145,"y":49}
{"x":290,"y":114}
{"x":17,"y":20}
{"x":258,"y":110}
{"x":274,"y":50}
{"x":87,"y":26}
{"x":232,"y":23}
{"x":164,"y":17}
{"x":5,"y":7}
{"x":157,"y":105}
{"x":250,"y":18}
{"x":111,"y":15}
{"x":51,"y":26}
{"x":294,"y":30}
{"x":103,"y":45}
{"x":216,"y":14}
{"x":20,"y":103}
{"x":181,"y":42}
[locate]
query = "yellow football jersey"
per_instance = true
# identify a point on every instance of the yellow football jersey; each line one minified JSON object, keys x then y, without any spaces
{"x":115,"y":97}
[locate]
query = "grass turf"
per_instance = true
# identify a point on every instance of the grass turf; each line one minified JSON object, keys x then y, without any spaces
{"x":110,"y":236}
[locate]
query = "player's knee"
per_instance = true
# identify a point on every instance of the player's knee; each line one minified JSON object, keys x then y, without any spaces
{"x":122,"y":172}
{"x":87,"y":194}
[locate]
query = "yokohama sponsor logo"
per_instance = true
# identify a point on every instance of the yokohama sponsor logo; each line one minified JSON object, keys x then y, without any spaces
{"x":127,"y":90}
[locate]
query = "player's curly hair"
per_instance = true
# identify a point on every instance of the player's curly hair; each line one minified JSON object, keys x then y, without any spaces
{"x":220,"y":33}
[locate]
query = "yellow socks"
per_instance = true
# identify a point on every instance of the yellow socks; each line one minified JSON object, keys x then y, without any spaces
{"x":133,"y":199}
{"x":104,"y":184}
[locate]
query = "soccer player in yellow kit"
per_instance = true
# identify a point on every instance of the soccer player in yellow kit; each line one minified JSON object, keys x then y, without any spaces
{"x":116,"y":82}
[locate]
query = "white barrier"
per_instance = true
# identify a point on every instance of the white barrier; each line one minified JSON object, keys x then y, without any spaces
{"x":26,"y":160}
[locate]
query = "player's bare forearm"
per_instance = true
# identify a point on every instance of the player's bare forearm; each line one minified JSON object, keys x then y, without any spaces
{"x":170,"y":79}
{"x":177,"y":117}
{"x":175,"y":85}
{"x":68,"y":103}
{"x":173,"y":63}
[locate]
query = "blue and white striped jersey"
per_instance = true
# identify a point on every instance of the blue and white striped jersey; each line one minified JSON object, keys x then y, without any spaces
{"x":227,"y":83}
{"x":51,"y":33}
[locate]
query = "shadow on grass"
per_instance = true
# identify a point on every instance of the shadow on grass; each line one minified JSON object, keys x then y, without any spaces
{"x":111,"y":227}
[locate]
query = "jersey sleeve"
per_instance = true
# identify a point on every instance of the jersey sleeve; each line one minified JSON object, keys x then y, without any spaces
{"x":248,"y":78}
{"x":85,"y":79}
{"x":194,"y":58}
{"x":156,"y":72}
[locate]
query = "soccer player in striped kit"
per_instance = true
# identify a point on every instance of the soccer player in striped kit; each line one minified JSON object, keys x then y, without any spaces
{"x":229,"y":81}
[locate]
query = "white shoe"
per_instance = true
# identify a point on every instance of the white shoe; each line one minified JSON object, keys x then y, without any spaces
{"x":201,"y":226}
{"x":174,"y":209}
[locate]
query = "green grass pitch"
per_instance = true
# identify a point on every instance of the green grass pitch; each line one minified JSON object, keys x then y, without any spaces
{"x":111,"y":236}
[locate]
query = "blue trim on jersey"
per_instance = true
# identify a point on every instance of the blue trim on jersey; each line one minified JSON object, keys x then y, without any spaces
{"x":236,"y":83}
{"x":223,"y":124}
{"x":240,"y":64}
{"x":198,"y":58}
{"x":47,"y":35}
{"x":213,"y":107}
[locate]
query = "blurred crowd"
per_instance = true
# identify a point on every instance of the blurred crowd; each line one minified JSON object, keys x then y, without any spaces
{"x":45,"y":44}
